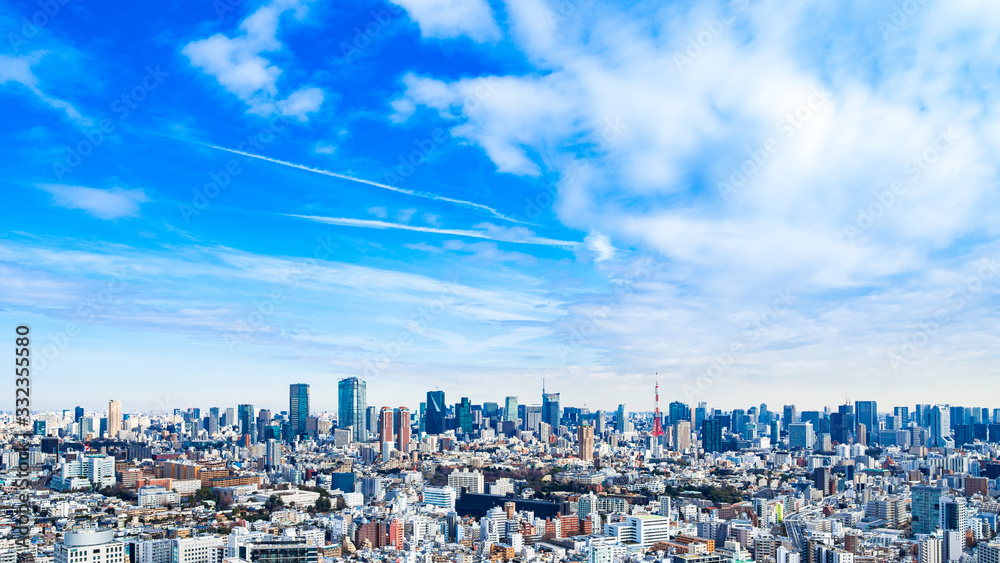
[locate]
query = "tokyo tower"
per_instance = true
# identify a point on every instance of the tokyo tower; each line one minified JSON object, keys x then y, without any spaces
{"x":657,"y":425}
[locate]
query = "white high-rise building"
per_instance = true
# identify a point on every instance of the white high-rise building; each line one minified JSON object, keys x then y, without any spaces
{"x":92,"y":546}
{"x":114,"y":418}
{"x":153,"y":551}
{"x":201,"y":549}
{"x":930,"y":551}
{"x":443,"y":497}
{"x":466,"y":481}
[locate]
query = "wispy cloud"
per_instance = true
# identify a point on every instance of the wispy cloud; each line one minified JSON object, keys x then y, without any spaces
{"x":103,"y":204}
{"x":490,"y":232}
{"x":413,"y":193}
{"x":239,"y":66}
{"x":19,"y":70}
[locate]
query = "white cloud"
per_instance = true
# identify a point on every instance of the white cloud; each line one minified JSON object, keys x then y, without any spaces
{"x":19,"y":70}
{"x":600,"y":245}
{"x":745,"y":145}
{"x":103,"y":204}
{"x":239,"y":66}
{"x":447,"y":19}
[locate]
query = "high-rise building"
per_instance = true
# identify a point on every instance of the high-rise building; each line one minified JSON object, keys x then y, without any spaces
{"x":711,"y":435}
{"x":434,"y":423}
{"x":620,"y":419}
{"x":385,"y":424}
{"x":866,"y":412}
{"x":788,"y":417}
{"x":213,"y":421}
{"x":678,"y":411}
{"x":298,"y":408}
{"x":510,"y":409}
{"x":230,"y":417}
{"x":926,"y":508}
{"x":114,"y":418}
{"x":351,"y":407}
{"x":92,"y":546}
{"x":939,"y":418}
{"x":78,"y":415}
{"x":551,"y":414}
{"x":403,"y":429}
{"x":463,"y":415}
{"x":801,"y":436}
{"x":585,"y":436}
{"x":248,"y":427}
{"x":682,"y":435}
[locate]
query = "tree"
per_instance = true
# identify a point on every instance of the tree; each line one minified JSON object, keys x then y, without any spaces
{"x":323,"y":504}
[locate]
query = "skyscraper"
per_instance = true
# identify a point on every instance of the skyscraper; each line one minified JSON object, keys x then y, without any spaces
{"x":298,"y":408}
{"x":926,"y":508}
{"x":463,"y":414}
{"x":940,"y":424}
{"x":585,"y":436}
{"x":510,"y":409}
{"x":866,"y":412}
{"x":551,"y":414}
{"x":788,"y":416}
{"x":620,"y":419}
{"x":78,"y":415}
{"x":351,"y":406}
{"x":435,"y":412}
{"x":114,"y":418}
{"x":213,"y":421}
{"x":711,"y":435}
{"x":385,"y":426}
{"x":403,"y":429}
{"x":248,"y":427}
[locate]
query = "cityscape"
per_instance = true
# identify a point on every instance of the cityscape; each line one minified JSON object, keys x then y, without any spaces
{"x":500,"y":281}
{"x":516,"y":479}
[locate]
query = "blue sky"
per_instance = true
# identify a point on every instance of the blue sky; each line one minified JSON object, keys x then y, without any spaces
{"x":759,"y":202}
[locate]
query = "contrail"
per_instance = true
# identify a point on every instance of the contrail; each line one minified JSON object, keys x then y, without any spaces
{"x":414,"y":193}
{"x":372,"y":224}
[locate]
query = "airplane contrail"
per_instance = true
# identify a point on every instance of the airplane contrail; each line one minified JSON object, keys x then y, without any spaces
{"x":372,"y":224}
{"x":414,"y":193}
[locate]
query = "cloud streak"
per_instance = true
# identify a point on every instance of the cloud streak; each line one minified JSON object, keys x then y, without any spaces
{"x":414,"y":193}
{"x":491,"y":232}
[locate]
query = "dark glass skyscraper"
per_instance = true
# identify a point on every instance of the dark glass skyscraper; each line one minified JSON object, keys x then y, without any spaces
{"x":711,"y":435}
{"x":298,"y":408}
{"x":351,"y":407}
{"x":463,"y":412}
{"x":434,"y":423}
{"x":78,"y":414}
{"x":248,"y":426}
{"x":866,"y":412}
{"x":551,"y":414}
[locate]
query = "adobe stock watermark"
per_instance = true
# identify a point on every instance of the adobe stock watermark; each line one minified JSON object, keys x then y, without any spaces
{"x":86,"y":313}
{"x":914,"y":168}
{"x":425,"y":147}
{"x":585,"y":329}
{"x":365,"y":34}
{"x":220,"y":179}
{"x":255,"y":320}
{"x":753,"y":330}
{"x":122,"y":106}
{"x":959,"y":297}
{"x":31,"y":27}
{"x":786,"y":128}
{"x":709,"y":31}
{"x":417,"y":325}
{"x":545,"y":198}
{"x":902,"y":12}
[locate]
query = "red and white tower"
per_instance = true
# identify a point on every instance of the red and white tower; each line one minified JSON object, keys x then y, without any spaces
{"x":657,"y":425}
